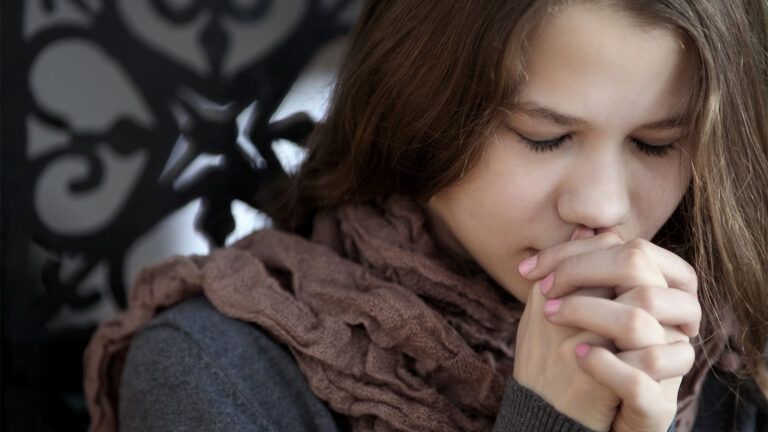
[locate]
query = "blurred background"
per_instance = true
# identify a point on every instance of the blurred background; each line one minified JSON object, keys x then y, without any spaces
{"x":132,"y":130}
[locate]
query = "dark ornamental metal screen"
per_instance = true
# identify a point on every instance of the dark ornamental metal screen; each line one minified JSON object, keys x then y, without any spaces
{"x":107,"y":106}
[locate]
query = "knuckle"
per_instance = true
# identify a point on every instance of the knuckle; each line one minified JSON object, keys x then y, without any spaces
{"x":633,"y":323}
{"x":640,"y":328}
{"x":647,"y":299}
{"x":653,"y":363}
{"x":633,"y":260}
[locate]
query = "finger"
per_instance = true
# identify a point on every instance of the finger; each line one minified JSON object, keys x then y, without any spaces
{"x":661,"y":361}
{"x":621,"y":268}
{"x":676,"y":271}
{"x":628,"y":327}
{"x":637,"y":390}
{"x":668,"y":306}
{"x":548,"y":259}
{"x":673,"y":334}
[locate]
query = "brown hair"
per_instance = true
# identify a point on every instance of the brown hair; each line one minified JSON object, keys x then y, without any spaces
{"x":420,"y":90}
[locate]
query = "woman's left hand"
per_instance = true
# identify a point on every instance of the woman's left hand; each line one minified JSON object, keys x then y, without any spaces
{"x":648,"y":322}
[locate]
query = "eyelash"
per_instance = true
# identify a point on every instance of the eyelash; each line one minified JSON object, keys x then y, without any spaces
{"x":550,"y":145}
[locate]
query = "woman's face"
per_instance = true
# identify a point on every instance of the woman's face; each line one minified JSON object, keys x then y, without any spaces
{"x":585,"y":144}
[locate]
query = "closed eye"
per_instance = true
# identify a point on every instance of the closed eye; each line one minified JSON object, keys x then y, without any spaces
{"x":653,"y":150}
{"x":541,"y":146}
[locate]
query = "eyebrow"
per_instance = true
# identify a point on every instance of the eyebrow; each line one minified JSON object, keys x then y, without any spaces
{"x":541,"y":112}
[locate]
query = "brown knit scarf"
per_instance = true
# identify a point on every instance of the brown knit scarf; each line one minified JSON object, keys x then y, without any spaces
{"x":384,"y":326}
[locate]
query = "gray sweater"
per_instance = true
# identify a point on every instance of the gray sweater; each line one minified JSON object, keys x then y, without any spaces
{"x":193,"y":369}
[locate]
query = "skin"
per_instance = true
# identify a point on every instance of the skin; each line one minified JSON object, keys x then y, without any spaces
{"x":581,"y":215}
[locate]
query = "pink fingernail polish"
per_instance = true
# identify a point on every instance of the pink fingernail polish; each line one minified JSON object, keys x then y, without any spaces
{"x":546,"y":283}
{"x":527,"y":266}
{"x":552,"y":306}
{"x":582,"y":350}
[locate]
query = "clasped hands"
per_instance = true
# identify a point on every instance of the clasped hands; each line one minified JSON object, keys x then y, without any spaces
{"x":610,"y":358}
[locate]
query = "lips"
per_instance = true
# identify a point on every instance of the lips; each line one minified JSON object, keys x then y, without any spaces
{"x":582,"y":232}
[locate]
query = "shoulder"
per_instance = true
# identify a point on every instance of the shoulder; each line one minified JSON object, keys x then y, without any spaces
{"x":191,"y":365}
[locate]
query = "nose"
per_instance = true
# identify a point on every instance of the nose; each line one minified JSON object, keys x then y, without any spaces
{"x":595,"y":192}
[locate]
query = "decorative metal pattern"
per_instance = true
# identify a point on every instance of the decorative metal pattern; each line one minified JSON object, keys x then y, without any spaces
{"x":163,"y":109}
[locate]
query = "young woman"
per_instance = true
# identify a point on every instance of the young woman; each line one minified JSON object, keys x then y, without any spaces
{"x":519,"y":215}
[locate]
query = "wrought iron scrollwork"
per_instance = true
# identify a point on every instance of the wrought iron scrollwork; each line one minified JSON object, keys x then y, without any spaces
{"x":183,"y":109}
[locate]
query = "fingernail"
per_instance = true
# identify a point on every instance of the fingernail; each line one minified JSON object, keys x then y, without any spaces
{"x":552,"y":306}
{"x":582,"y":350}
{"x":547,"y":282}
{"x":527,"y":266}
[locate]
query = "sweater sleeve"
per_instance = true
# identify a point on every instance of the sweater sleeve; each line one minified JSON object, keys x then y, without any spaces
{"x":169,"y":384}
{"x":195,"y":369}
{"x":524,"y":410}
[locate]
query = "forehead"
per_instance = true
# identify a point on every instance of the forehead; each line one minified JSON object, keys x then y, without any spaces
{"x":598,"y":62}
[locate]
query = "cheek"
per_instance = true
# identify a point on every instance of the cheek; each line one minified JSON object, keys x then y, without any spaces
{"x":658,"y":195}
{"x":487,"y":209}
{"x":491,"y":225}
{"x":514,"y":177}
{"x":503,"y":194}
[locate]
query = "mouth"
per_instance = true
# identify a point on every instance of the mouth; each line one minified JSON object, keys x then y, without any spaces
{"x":582,"y":232}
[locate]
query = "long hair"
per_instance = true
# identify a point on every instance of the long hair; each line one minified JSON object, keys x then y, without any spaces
{"x":421,"y":87}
